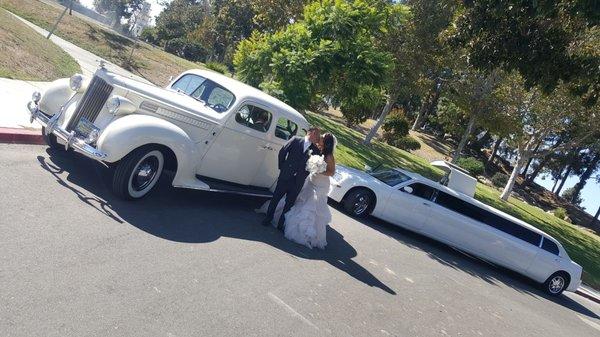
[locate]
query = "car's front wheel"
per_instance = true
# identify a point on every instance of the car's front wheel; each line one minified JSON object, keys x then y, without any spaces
{"x":359,"y":202}
{"x":137,"y":173}
{"x":556,"y":283}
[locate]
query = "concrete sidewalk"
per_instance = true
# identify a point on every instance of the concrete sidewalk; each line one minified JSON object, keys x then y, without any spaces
{"x":14,"y":95}
{"x":87,"y":61}
{"x":588,"y":293}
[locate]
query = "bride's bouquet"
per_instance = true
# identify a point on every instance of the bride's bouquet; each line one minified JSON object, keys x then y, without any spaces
{"x":316,"y":164}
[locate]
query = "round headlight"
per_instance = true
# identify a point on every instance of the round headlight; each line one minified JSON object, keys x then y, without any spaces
{"x":92,"y":136}
{"x":36,"y":97}
{"x":75,"y":82}
{"x":113,"y":105}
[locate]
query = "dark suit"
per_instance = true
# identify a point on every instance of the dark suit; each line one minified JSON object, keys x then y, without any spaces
{"x":292,"y":174}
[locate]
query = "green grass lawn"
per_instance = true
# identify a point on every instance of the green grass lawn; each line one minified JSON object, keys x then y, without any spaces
{"x":583,"y":247}
{"x":27,"y":55}
{"x":150,"y":62}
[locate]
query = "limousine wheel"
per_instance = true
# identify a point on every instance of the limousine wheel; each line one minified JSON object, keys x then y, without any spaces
{"x":359,"y":202}
{"x":556,"y":283}
{"x":138,"y":172}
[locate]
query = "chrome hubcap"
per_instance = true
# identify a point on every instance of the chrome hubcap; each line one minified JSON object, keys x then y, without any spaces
{"x":361,"y":205}
{"x":144,"y":173}
{"x":556,"y":284}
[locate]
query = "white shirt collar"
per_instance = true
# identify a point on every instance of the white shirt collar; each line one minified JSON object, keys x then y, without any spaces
{"x":306,"y":143}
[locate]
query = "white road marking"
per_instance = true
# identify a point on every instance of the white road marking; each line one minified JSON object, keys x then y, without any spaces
{"x":409,"y":280}
{"x":389,"y":271}
{"x":290,"y":310}
{"x":589,"y":322}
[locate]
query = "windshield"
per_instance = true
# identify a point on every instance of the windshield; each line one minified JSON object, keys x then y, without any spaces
{"x":391,"y":177}
{"x":206,"y":91}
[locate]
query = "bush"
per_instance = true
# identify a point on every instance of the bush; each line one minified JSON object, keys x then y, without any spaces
{"x":148,"y":34}
{"x":407,"y":143}
{"x":560,"y":213}
{"x":474,"y":166}
{"x":218,"y":67}
{"x":396,"y":124}
{"x":568,"y":194}
{"x":499,"y":179}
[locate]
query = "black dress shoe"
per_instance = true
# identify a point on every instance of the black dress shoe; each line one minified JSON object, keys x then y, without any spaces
{"x":281,"y":227}
{"x":266,"y":222}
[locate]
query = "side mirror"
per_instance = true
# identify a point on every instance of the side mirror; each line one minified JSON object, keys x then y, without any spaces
{"x":368,"y":168}
{"x":407,"y":189}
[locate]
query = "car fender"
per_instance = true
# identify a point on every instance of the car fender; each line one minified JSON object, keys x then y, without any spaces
{"x":129,"y":132}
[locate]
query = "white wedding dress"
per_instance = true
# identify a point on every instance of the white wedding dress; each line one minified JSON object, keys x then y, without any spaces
{"x":306,"y":222}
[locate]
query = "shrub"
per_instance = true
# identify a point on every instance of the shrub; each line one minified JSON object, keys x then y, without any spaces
{"x":560,"y":213}
{"x":148,"y":34}
{"x":396,"y":124}
{"x":218,"y":67}
{"x":474,"y":166}
{"x":568,"y":194}
{"x":499,"y":179}
{"x":407,"y":143}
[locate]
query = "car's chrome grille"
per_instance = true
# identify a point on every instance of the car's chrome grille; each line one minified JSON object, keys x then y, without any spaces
{"x":90,"y":105}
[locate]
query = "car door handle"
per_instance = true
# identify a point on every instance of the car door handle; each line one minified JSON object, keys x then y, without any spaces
{"x":426,"y":204}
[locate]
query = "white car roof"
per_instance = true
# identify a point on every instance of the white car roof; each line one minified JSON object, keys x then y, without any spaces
{"x":243,"y":91}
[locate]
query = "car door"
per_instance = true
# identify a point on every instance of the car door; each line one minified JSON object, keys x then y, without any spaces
{"x":240,"y":149}
{"x":282,"y":131}
{"x":409,"y":206}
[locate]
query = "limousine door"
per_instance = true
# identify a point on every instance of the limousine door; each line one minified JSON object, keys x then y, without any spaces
{"x":409,"y":206}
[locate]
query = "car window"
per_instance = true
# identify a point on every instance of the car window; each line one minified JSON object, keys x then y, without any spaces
{"x":390,"y":177}
{"x":206,"y":91}
{"x":491,"y":219}
{"x":285,"y":128}
{"x":422,"y":190}
{"x":254,"y":118}
{"x":550,"y":246}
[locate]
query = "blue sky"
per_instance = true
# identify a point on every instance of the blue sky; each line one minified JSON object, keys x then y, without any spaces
{"x":590,"y":193}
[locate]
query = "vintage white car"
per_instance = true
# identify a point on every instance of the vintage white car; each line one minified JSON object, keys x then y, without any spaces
{"x":215,"y":133}
{"x":421,"y":205}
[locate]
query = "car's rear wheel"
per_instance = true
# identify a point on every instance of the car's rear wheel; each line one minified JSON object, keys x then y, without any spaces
{"x":359,"y":202}
{"x":51,"y":141}
{"x":556,"y":283}
{"x":137,"y":174}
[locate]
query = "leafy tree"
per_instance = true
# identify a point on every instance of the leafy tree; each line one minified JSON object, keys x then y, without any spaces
{"x":121,"y":9}
{"x":179,"y":18}
{"x":331,"y":52}
{"x":546,"y":41}
{"x":272,"y":15}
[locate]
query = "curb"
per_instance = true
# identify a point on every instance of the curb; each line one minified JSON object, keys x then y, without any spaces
{"x":21,"y":136}
{"x":587,"y":295}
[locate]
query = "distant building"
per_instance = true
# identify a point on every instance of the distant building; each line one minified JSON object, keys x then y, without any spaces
{"x":140,"y":19}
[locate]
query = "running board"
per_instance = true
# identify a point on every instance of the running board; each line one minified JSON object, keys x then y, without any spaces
{"x":221,"y":186}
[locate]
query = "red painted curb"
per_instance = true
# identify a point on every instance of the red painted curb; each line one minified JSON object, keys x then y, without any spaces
{"x":21,"y":136}
{"x":588,"y":296}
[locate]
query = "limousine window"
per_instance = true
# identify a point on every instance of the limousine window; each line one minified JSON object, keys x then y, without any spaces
{"x":422,"y":190}
{"x":550,"y":246}
{"x":488,"y":218}
{"x":391,"y":177}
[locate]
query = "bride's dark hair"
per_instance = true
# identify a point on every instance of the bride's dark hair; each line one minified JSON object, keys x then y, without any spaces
{"x":328,"y":144}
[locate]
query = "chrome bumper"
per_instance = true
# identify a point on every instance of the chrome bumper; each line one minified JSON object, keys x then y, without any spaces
{"x":70,"y":139}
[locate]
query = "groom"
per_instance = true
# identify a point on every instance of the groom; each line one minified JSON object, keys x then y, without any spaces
{"x":292,"y":173}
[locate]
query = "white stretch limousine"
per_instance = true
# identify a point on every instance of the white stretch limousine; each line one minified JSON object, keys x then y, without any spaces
{"x":424,"y":206}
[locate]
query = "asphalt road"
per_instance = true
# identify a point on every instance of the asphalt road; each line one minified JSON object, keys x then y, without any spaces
{"x":76,"y":261}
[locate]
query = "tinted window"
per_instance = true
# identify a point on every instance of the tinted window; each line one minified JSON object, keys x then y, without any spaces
{"x":550,"y":246}
{"x":488,"y":218}
{"x":254,"y":118}
{"x":285,"y":129}
{"x":422,"y":190}
{"x":188,"y":83}
{"x":391,"y":177}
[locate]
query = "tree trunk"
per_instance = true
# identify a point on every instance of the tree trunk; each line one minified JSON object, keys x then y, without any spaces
{"x":386,"y":110}
{"x":584,"y":177}
{"x":513,"y":177}
{"x":564,"y":179}
{"x":464,"y":138}
{"x":429,"y":105}
{"x":494,"y":151}
{"x":555,"y":183}
{"x":595,"y":219}
{"x":531,"y":159}
{"x":421,"y":116}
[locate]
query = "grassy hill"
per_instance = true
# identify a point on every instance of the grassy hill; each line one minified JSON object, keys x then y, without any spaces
{"x":26,"y":55}
{"x":150,"y":62}
{"x":583,"y":247}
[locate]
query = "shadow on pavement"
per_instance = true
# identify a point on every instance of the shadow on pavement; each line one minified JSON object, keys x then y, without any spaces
{"x":193,"y":216}
{"x":471,"y":265}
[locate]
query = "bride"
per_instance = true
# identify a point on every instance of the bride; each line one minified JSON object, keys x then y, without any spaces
{"x":306,"y":222}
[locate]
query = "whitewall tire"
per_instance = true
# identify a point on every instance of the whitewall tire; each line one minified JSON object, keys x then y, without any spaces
{"x":137,"y":174}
